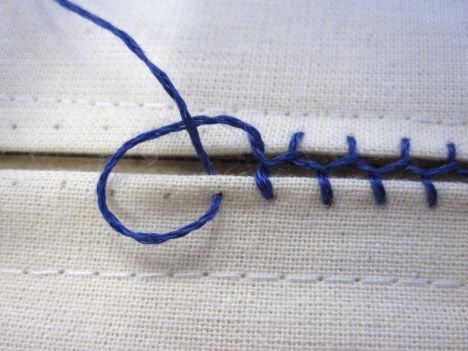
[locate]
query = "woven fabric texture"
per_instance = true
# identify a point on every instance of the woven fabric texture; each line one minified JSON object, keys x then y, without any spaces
{"x":373,"y":69}
{"x":284,"y":274}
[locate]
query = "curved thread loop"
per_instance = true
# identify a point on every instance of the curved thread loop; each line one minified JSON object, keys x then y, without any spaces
{"x":263,"y":173}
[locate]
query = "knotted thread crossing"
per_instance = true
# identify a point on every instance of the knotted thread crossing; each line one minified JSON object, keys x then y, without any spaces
{"x":266,"y":165}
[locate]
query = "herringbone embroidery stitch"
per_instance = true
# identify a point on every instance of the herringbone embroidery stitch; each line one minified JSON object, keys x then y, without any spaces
{"x":266,"y":165}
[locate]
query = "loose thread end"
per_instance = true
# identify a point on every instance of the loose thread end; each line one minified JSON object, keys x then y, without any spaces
{"x":262,"y":175}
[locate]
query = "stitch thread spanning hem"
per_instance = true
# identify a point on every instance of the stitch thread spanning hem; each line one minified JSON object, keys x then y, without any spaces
{"x":262,"y":175}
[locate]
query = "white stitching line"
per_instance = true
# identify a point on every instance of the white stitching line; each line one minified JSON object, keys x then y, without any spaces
{"x":152,"y":105}
{"x":258,"y":277}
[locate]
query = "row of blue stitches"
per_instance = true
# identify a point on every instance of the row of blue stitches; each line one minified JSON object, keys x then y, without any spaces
{"x":266,"y":165}
{"x":353,"y":159}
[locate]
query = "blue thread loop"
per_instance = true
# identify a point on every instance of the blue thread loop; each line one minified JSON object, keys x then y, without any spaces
{"x":263,"y":173}
{"x":188,"y":125}
{"x":116,"y":224}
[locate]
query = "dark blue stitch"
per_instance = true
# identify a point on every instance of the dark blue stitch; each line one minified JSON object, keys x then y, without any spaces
{"x":428,"y":174}
{"x":262,"y":175}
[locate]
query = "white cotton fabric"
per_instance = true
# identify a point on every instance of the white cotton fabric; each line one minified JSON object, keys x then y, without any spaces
{"x":378,"y":70}
{"x":285,"y":274}
{"x":282,"y":274}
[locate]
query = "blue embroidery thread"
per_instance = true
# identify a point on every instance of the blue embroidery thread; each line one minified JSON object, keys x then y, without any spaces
{"x":262,"y":175}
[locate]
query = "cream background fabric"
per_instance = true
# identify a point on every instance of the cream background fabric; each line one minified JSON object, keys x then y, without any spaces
{"x":264,"y":275}
{"x":329,"y":68}
{"x":286,"y":274}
